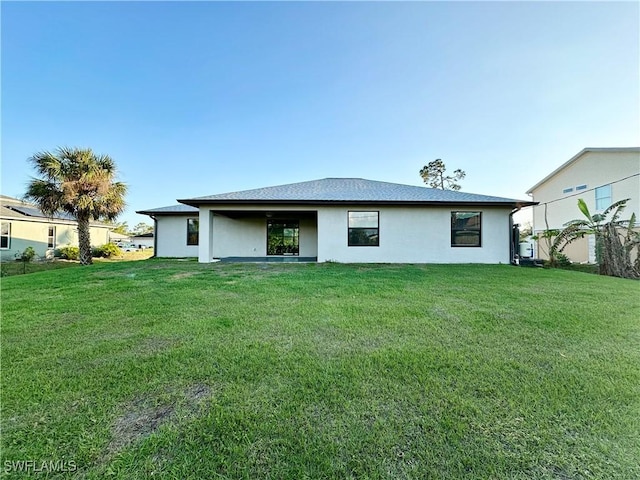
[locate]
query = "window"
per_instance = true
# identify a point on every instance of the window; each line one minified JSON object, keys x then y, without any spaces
{"x":51,"y":237}
{"x":364,"y":229}
{"x":283,"y":237}
{"x":5,"y":235}
{"x":567,"y":190}
{"x":192,"y":231}
{"x":603,"y":197}
{"x":581,"y":187}
{"x":466,"y":229}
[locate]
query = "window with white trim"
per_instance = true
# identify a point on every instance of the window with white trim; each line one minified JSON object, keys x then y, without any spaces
{"x":51,"y":237}
{"x":603,"y":197}
{"x":5,"y":235}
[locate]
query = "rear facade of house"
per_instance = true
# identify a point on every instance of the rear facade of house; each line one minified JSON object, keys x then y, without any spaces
{"x":342,"y":220}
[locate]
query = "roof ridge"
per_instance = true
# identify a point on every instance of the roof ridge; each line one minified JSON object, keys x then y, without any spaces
{"x":348,"y":189}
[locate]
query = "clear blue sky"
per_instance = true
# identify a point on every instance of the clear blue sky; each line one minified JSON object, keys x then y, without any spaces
{"x":193,"y":99}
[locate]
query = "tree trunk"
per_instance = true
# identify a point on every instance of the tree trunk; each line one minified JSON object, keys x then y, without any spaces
{"x":616,"y":260}
{"x":84,"y":240}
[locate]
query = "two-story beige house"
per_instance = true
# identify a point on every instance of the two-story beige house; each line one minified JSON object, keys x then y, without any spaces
{"x":600,"y":176}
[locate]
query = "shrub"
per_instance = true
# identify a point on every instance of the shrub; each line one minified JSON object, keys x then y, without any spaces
{"x":27,"y":255}
{"x":70,"y":253}
{"x":562,"y":260}
{"x":107,"y":250}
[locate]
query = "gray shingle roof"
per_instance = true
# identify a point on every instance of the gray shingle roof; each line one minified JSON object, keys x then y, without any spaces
{"x":171,"y":210}
{"x":15,"y":208}
{"x":350,"y":190}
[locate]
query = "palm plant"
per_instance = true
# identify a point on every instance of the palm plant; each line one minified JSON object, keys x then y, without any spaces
{"x":80,"y":183}
{"x":615,"y":239}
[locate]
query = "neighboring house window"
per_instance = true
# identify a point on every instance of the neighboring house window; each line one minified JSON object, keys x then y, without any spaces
{"x":466,"y":229}
{"x":364,"y":229}
{"x":5,"y":235}
{"x":603,"y":197}
{"x":581,"y":187}
{"x":567,"y":190}
{"x":51,"y":237}
{"x":192,"y":231}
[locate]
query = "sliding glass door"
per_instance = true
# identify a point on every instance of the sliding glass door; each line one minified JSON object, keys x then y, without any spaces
{"x":283,"y":237}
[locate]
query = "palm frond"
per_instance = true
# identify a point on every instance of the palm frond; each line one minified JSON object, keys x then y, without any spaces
{"x":47,"y":165}
{"x":569,"y":235}
{"x":46,"y":195}
{"x":578,"y":223}
{"x":618,"y":206}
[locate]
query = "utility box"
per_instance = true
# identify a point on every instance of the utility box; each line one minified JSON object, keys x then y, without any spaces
{"x":526,"y":250}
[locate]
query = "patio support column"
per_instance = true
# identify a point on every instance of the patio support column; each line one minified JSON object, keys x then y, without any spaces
{"x":205,"y":244}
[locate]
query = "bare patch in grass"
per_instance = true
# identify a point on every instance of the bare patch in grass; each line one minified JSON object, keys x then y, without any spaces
{"x":153,"y":345}
{"x":444,"y":314}
{"x":146,"y":415}
{"x":183,"y":275}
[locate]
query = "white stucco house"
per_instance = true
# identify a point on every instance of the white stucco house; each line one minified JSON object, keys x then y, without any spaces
{"x":599,"y":176}
{"x":23,"y":225}
{"x":144,"y":240}
{"x":339,"y":219}
{"x":115,"y":237}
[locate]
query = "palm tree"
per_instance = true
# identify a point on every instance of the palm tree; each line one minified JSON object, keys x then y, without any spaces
{"x":80,"y":183}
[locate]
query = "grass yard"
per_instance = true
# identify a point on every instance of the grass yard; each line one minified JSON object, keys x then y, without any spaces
{"x":14,"y":267}
{"x":173,"y":369}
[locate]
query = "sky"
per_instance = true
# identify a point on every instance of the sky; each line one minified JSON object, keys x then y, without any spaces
{"x":198,"y":98}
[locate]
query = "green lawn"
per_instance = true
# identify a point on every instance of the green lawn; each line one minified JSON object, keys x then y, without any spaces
{"x":16,"y":267}
{"x":173,"y":369}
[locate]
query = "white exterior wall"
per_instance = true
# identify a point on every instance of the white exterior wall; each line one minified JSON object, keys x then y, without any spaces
{"x":222,"y":236}
{"x":144,"y":241}
{"x":247,"y":237}
{"x":171,"y":235}
{"x":413,"y":235}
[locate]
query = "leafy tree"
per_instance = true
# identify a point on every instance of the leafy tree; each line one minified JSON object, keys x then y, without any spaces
{"x":122,"y":228}
{"x":548,"y":236}
{"x":615,"y":239}
{"x":142,"y":228}
{"x":526,"y":230}
{"x":26,"y":257}
{"x":80,"y":183}
{"x":433,"y":175}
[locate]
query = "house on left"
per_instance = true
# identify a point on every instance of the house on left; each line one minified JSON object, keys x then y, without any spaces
{"x":24,"y":225}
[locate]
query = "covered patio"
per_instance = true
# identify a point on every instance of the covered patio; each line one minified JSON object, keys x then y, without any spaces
{"x":260,"y":235}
